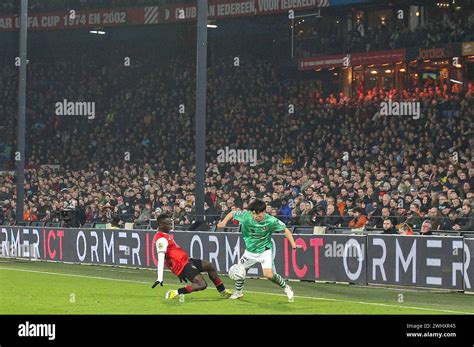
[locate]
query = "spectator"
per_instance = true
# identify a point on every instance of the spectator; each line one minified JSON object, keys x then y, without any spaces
{"x":450,"y":218}
{"x":145,"y":215}
{"x":285,"y":211}
{"x":305,"y":216}
{"x":435,"y":218}
{"x":318,"y":218}
{"x":466,"y":222}
{"x":332,"y":219}
{"x":388,"y":227}
{"x":405,"y":229}
{"x":359,"y":220}
{"x":426,"y":228}
{"x":414,"y":217}
{"x":377,"y":222}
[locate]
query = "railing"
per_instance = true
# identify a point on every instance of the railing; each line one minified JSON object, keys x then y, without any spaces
{"x":303,"y":223}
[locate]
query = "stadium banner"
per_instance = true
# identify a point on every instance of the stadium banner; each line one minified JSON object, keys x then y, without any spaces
{"x":324,"y":62}
{"x":217,"y":9}
{"x":330,"y":61}
{"x":469,"y":265}
{"x":78,"y":19}
{"x":337,"y":258}
{"x":101,"y":246}
{"x":421,"y":261}
{"x":437,"y":52}
{"x":443,"y":262}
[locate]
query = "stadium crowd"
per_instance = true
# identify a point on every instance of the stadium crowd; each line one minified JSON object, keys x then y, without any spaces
{"x":442,"y":28}
{"x":334,"y":161}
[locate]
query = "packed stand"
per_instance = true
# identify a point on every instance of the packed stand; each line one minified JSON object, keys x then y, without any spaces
{"x":335,"y":161}
{"x":441,"y":28}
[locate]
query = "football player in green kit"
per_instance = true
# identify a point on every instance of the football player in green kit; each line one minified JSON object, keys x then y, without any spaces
{"x":257,"y":228}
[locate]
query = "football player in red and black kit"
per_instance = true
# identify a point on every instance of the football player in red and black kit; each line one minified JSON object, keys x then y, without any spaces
{"x":187,"y":269}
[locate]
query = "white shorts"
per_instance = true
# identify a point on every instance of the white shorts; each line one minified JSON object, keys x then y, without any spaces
{"x":249,"y":259}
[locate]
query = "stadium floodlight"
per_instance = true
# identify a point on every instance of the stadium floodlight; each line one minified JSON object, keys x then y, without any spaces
{"x":93,"y":31}
{"x":100,"y":32}
{"x":213,"y":26}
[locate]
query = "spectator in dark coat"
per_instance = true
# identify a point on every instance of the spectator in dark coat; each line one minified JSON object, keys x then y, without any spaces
{"x":388,"y":227}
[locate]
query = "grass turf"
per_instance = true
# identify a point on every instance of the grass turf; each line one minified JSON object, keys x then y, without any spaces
{"x":55,"y":288}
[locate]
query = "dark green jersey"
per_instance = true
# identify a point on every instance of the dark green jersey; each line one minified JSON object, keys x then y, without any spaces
{"x":258,"y":235}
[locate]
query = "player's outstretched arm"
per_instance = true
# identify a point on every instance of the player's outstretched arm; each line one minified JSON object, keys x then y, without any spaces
{"x":226,"y":220}
{"x":161,"y":247}
{"x":290,"y":238}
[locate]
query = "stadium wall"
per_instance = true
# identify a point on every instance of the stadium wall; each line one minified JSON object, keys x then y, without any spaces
{"x":441,"y":262}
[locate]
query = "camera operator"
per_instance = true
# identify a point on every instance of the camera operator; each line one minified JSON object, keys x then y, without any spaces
{"x":71,"y":214}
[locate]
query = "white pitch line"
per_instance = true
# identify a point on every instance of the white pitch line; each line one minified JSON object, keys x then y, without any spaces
{"x":248,"y":291}
{"x":73,"y":275}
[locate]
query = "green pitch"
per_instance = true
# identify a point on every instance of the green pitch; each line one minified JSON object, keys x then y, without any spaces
{"x":54,"y":288}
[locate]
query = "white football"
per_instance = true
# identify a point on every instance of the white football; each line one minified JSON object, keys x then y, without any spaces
{"x":237,"y":272}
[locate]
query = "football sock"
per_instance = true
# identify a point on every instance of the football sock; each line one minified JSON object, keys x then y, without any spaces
{"x":185,"y":290}
{"x":239,"y":285}
{"x":277,"y":279}
{"x":219,"y":285}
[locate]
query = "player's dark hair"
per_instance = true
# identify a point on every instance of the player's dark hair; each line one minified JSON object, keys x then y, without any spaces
{"x":257,"y":206}
{"x":161,"y":217}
